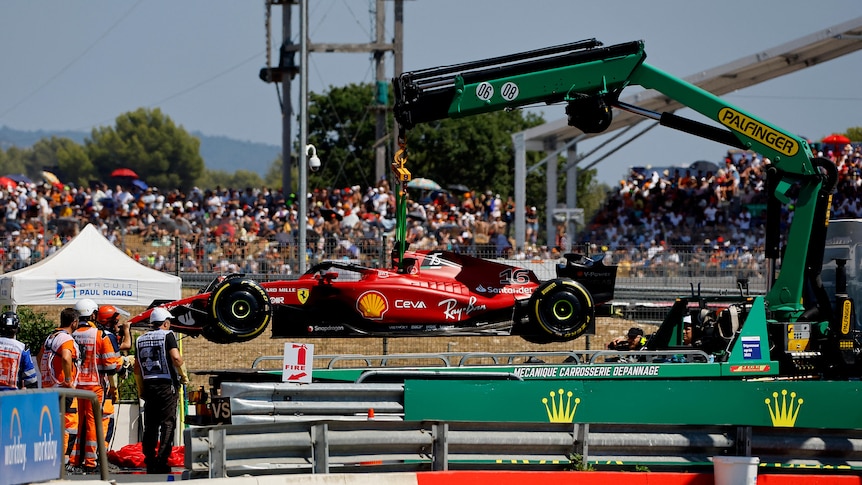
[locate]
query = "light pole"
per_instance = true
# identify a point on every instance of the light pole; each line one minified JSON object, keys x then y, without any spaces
{"x":303,"y":134}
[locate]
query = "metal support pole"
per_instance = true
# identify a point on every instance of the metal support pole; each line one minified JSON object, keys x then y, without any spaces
{"x":320,"y":446}
{"x":286,"y":110}
{"x":302,"y":216}
{"x":440,"y":436}
{"x":519,"y":145}
{"x":218,"y":453}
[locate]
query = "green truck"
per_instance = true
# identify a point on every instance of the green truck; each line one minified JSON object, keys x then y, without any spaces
{"x":789,"y":357}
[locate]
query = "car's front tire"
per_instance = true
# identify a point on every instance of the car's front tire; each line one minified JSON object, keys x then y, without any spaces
{"x":239,"y":310}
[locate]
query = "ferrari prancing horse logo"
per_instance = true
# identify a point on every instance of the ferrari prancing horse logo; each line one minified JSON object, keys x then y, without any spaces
{"x":302,"y":295}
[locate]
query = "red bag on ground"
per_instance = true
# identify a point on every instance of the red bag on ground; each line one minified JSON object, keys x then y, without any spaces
{"x":132,"y":456}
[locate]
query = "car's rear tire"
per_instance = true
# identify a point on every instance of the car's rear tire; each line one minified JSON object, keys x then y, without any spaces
{"x":561,"y":309}
{"x":239,"y":310}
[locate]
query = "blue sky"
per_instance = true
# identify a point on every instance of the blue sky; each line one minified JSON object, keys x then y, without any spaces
{"x":75,"y":65}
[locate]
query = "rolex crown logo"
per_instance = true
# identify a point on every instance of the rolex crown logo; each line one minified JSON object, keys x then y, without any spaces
{"x":561,"y":410}
{"x":784,"y":411}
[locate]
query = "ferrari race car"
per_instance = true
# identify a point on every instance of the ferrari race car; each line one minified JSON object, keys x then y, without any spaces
{"x":437,"y":293}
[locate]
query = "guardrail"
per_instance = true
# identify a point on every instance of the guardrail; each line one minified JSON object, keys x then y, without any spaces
{"x":385,"y":446}
{"x":480,"y":359}
{"x":268,"y":403}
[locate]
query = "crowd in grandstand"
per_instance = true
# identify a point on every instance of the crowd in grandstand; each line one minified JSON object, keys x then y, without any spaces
{"x":715,"y":213}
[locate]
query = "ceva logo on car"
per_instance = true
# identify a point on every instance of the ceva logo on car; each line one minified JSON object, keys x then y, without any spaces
{"x":409,"y":304}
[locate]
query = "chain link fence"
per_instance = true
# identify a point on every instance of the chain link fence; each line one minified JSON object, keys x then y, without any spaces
{"x":648,"y":280}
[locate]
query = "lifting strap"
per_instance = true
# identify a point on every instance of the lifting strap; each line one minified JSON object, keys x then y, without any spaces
{"x":402,"y":177}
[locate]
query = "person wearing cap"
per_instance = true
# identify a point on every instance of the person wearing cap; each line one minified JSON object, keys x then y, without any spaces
{"x":159,"y":372}
{"x":98,"y":359}
{"x":634,"y":340}
{"x":686,"y":330}
{"x":58,"y":362}
{"x":16,"y":365}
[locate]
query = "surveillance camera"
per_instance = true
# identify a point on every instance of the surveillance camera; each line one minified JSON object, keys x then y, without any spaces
{"x":314,"y":164}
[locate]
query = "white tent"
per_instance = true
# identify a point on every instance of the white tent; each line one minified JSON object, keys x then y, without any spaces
{"x":88,"y":266}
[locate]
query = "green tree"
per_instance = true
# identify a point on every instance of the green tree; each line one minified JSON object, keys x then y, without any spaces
{"x":854,"y":133}
{"x":272,"y":178}
{"x":14,"y":160}
{"x":34,"y":329}
{"x":238,"y":180}
{"x":148,"y":142}
{"x":475,"y":151}
{"x":62,"y":156}
{"x":342,"y":128}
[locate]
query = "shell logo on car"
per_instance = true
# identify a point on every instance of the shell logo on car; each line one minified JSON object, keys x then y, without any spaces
{"x":372,"y":305}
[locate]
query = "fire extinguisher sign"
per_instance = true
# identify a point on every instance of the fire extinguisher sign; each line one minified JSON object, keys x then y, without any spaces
{"x":298,"y":360}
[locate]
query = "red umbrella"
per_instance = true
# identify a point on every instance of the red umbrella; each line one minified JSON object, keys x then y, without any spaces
{"x":124,"y":172}
{"x":7,"y":182}
{"x":835,"y":139}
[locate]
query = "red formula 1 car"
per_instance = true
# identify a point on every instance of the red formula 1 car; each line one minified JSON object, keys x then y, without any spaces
{"x":438,"y":293}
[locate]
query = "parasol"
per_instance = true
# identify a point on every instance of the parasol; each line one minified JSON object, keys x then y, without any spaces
{"x":50,"y":177}
{"x":423,"y":184}
{"x":20,"y":178}
{"x":835,"y":139}
{"x":8,"y":183}
{"x":124,"y":172}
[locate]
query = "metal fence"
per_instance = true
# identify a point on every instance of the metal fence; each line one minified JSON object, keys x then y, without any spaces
{"x":198,"y":258}
{"x":329,"y":446}
{"x":329,"y":428}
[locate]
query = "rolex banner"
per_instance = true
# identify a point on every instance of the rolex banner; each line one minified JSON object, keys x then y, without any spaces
{"x":801,"y":404}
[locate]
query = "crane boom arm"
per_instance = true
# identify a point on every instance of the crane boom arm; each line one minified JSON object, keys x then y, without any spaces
{"x":589,"y":79}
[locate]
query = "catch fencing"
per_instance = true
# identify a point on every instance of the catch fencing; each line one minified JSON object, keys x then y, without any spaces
{"x":197,"y":258}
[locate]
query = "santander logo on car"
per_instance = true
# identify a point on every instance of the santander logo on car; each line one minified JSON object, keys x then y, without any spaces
{"x":509,"y":290}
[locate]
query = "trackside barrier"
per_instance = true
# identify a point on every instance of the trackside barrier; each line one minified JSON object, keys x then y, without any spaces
{"x":271,"y":402}
{"x":394,"y":446}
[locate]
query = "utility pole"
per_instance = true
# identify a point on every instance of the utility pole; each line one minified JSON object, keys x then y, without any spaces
{"x":287,"y":69}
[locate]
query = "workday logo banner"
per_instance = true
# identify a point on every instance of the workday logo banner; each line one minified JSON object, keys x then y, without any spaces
{"x":30,"y":437}
{"x":72,"y":289}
